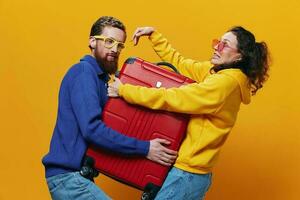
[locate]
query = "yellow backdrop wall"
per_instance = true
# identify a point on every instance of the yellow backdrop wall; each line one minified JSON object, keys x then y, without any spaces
{"x":40,"y":40}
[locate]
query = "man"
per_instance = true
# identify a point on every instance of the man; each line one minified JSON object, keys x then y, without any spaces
{"x":82,"y":96}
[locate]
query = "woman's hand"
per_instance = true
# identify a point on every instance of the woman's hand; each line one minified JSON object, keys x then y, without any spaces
{"x":113,"y":88}
{"x":141,"y":31}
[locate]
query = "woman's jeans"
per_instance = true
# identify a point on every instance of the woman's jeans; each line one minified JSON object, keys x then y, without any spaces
{"x":182,"y":185}
{"x":72,"y":186}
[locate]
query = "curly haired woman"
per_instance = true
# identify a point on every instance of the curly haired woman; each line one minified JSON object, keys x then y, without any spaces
{"x":238,"y":68}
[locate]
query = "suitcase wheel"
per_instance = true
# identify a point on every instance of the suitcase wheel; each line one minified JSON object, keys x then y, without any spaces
{"x":150,"y":191}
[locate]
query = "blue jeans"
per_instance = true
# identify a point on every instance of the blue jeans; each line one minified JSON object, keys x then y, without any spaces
{"x":72,"y":186}
{"x":181,"y":185}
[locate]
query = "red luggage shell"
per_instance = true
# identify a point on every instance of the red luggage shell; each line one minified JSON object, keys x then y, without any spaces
{"x":142,"y":123}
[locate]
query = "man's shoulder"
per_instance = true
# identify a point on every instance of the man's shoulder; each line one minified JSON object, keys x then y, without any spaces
{"x":79,"y":68}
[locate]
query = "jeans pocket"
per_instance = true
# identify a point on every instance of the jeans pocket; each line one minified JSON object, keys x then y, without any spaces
{"x":53,"y":185}
{"x":81,"y":181}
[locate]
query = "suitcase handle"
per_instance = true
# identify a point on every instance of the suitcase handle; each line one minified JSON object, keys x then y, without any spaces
{"x":168,"y":65}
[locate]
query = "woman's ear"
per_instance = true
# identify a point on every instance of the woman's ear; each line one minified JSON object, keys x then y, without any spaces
{"x":239,"y":58}
{"x":92,"y":42}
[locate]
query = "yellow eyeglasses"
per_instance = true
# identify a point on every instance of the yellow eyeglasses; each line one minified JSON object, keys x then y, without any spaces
{"x":110,"y":42}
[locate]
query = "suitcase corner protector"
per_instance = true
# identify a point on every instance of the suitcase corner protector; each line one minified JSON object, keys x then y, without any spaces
{"x":130,"y":60}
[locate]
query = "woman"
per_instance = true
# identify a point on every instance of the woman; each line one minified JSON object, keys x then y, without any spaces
{"x":239,"y":66}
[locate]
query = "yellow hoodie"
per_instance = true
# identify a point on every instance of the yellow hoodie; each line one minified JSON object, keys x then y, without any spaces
{"x":213,"y":102}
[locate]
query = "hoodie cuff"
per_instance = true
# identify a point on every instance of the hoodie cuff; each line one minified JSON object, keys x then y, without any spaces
{"x":155,"y":36}
{"x":121,"y":90}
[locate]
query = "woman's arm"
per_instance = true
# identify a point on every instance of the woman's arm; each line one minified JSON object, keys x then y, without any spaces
{"x":188,"y":67}
{"x":198,"y":98}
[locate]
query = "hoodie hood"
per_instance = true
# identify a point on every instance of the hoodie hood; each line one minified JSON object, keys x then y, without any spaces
{"x":243,"y":81}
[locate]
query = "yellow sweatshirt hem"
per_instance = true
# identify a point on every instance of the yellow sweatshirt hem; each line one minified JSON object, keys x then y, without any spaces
{"x":184,"y":167}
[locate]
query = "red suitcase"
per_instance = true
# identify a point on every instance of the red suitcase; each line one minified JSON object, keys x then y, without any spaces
{"x":142,"y":123}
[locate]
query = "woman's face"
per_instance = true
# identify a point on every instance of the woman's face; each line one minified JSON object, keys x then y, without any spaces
{"x":225,"y":50}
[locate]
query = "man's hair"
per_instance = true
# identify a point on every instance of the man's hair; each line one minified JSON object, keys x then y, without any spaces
{"x":104,"y":21}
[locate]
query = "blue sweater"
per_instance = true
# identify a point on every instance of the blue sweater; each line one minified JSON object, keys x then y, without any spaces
{"x":82,"y":96}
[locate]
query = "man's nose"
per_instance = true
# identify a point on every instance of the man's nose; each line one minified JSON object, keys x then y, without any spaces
{"x":115,"y":48}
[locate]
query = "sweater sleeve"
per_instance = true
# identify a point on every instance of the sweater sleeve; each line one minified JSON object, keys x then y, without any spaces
{"x":193,"y":69}
{"x":87,"y":109}
{"x":198,"y":98}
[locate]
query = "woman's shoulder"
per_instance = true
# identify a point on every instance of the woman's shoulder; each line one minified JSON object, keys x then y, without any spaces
{"x":241,"y":80}
{"x":237,"y":74}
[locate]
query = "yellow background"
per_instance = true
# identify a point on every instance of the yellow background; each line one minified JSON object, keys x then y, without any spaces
{"x":41,"y":39}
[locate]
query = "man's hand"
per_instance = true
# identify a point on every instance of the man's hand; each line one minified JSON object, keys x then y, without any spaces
{"x":160,"y":154}
{"x":141,"y":31}
{"x":113,"y":88}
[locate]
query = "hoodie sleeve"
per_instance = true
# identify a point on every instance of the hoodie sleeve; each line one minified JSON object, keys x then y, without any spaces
{"x":87,"y":109}
{"x":193,"y":69}
{"x":198,"y":98}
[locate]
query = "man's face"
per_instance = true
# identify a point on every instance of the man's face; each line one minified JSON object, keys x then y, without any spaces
{"x":108,"y":57}
{"x":225,"y":51}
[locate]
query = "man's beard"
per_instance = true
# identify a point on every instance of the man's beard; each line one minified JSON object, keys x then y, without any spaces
{"x":109,"y":67}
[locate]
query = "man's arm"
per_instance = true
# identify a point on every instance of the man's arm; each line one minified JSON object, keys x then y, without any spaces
{"x":87,"y":109}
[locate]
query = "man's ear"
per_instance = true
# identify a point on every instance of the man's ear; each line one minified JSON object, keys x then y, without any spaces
{"x":92,"y":42}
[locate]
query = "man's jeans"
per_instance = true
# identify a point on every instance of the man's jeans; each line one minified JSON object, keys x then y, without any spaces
{"x":182,"y":185}
{"x":72,"y":186}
